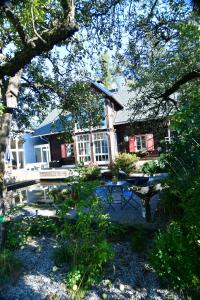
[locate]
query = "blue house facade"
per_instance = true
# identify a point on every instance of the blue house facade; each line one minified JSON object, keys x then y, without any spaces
{"x":27,"y":151}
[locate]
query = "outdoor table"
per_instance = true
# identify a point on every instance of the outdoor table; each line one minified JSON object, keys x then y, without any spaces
{"x":116,"y":186}
{"x":113,"y":185}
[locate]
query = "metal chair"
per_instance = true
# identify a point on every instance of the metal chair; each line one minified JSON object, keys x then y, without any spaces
{"x":129,"y":197}
{"x":103,"y":193}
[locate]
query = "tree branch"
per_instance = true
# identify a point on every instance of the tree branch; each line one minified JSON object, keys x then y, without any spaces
{"x":17,"y":25}
{"x":36,"y":46}
{"x":37,"y":87}
{"x":186,"y":78}
{"x":152,"y":10}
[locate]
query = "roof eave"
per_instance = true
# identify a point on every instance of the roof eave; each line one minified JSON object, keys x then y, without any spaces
{"x":119,"y":106}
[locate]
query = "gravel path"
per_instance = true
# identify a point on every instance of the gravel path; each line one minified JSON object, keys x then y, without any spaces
{"x":38,"y":280}
{"x":127,"y":277}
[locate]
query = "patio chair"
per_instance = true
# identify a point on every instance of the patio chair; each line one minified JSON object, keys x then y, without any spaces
{"x":129,"y":197}
{"x":102,"y":193}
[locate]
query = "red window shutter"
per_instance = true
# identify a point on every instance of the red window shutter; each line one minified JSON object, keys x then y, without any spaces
{"x":131,"y":141}
{"x":150,"y":142}
{"x":63,"y":151}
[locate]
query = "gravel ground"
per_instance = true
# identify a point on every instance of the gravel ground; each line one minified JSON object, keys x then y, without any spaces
{"x":38,"y":280}
{"x":127,"y":277}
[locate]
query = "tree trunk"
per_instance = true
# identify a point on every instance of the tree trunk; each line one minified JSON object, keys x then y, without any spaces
{"x":6,"y":92}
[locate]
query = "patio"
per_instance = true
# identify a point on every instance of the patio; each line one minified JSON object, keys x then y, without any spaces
{"x":129,"y":210}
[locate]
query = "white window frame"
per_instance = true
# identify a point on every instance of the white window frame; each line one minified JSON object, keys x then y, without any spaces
{"x":136,"y":146}
{"x":17,"y":150}
{"x":99,"y":137}
{"x":82,"y":140}
{"x":47,"y":148}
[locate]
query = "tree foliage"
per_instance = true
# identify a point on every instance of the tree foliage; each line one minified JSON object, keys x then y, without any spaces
{"x":176,"y":252}
{"x":164,"y":57}
{"x":86,"y":105}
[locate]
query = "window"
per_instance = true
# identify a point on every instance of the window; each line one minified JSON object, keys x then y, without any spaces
{"x":69,"y":150}
{"x":38,"y":155}
{"x":141,"y":143}
{"x":101,"y":147}
{"x":42,"y":153}
{"x":16,"y":148}
{"x":83,"y":146}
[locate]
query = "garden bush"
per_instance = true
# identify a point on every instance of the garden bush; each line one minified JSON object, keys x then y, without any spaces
{"x":92,"y":173}
{"x":154,"y":166}
{"x":88,"y":173}
{"x":175,"y":259}
{"x":59,"y":195}
{"x":18,"y":231}
{"x":176,"y":253}
{"x":139,"y":239}
{"x":84,"y":245}
{"x":125,"y":162}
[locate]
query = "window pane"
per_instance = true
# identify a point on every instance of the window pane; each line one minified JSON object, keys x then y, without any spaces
{"x":44,"y":155}
{"x":20,"y":144}
{"x":13,"y":144}
{"x":21,"y":159}
{"x":83,"y":142}
{"x":105,"y":146}
{"x":38,"y":155}
{"x":14,"y":159}
{"x":70,"y":150}
{"x":101,"y":146}
{"x":138,"y":143}
{"x":143,"y":142}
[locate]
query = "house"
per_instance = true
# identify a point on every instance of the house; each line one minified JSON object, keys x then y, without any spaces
{"x":102,"y":144}
{"x":98,"y":145}
{"x":144,"y":135}
{"x":26,"y":150}
{"x":50,"y":145}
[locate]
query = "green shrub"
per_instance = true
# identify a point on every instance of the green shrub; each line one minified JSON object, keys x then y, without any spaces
{"x":59,"y":195}
{"x":82,"y":191}
{"x":176,"y":254}
{"x":125,"y":162}
{"x":19,"y":230}
{"x":84,"y":245}
{"x":117,"y":232}
{"x":92,"y":173}
{"x":175,"y":260}
{"x":87,"y":173}
{"x":152,"y":167}
{"x":9,"y":266}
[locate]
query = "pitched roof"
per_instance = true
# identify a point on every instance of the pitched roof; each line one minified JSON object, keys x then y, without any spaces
{"x":53,"y":124}
{"x":108,"y":93}
{"x":123,"y":116}
{"x":124,"y":95}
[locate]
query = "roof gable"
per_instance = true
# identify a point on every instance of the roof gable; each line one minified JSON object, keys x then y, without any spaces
{"x":53,"y":124}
